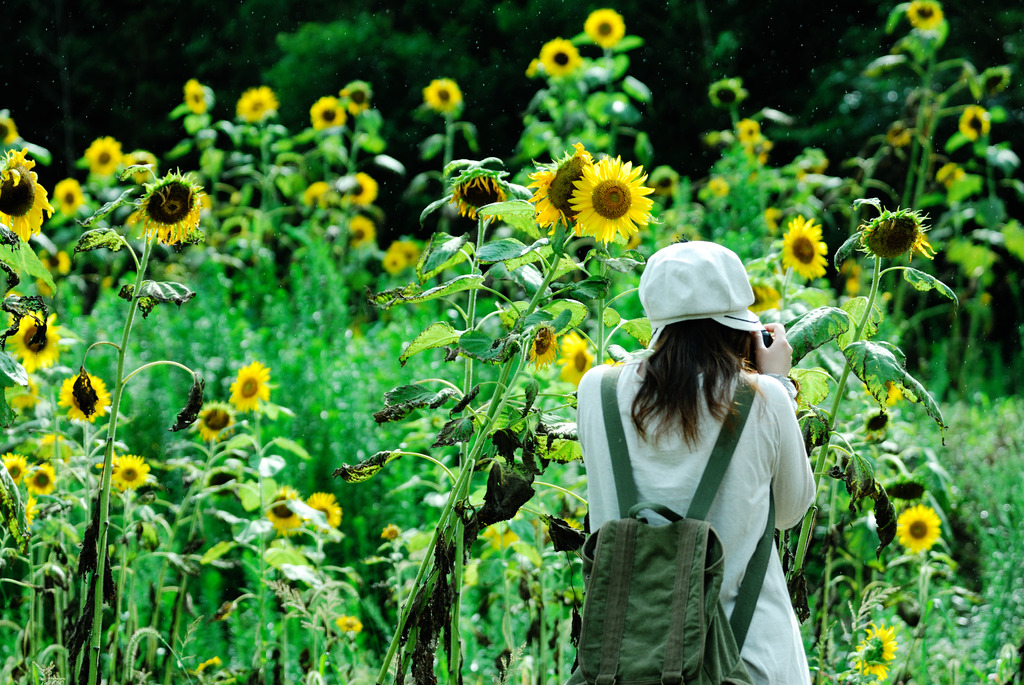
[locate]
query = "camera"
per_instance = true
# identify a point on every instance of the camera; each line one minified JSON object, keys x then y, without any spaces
{"x":766,"y":337}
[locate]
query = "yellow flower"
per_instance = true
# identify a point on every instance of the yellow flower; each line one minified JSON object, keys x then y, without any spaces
{"x":42,"y":480}
{"x":31,"y":509}
{"x":362,"y":231}
{"x":803,"y":249}
{"x":139,"y":158}
{"x":949,"y":174}
{"x":75,"y":411}
{"x":925,"y":14}
{"x":894,"y":395}
{"x":327,"y":112}
{"x":475,"y":193}
{"x":250,"y":387}
{"x":399,"y":255}
{"x":318,"y":193}
{"x":718,"y":186}
{"x":852,"y":271}
{"x":257,"y":104}
{"x":610,"y":199}
{"x":555,"y":186}
{"x":443,"y":96}
{"x":209,"y":663}
{"x":326,"y":502}
{"x":918,"y":528}
{"x":130,"y":471}
{"x":765,"y":298}
{"x":575,"y":357}
{"x":544,"y":348}
{"x":665,"y":180}
{"x":356,"y":96}
{"x":899,"y":135}
{"x":22,"y":199}
{"x":170,"y":209}
{"x":748,"y":131}
{"x":390,"y":532}
{"x":727,"y":93}
{"x":559,"y":57}
{"x":876,"y":651}
{"x":772,"y":217}
{"x":104,"y":156}
{"x":497,"y":539}
{"x":16,"y":465}
{"x":892,"y":234}
{"x":348,"y":624}
{"x":364,"y":192}
{"x":605,"y":27}
{"x":8,"y":131}
{"x":37,"y":346}
{"x":286,"y":522}
{"x":68,"y":195}
{"x":215,"y":418}
{"x":195,"y":96}
{"x":975,"y":122}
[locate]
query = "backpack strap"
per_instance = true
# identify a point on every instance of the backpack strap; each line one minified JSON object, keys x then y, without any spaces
{"x":721,"y":453}
{"x":622,"y":471}
{"x":750,"y":586}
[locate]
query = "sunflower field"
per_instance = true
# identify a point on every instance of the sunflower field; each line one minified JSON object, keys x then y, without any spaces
{"x":292,"y":342}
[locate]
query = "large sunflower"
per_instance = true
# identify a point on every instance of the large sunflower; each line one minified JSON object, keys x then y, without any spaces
{"x":326,"y":112}
{"x":140,"y":158}
{"x":257,"y":104}
{"x":286,"y":521}
{"x":876,"y":651}
{"x":356,"y":96}
{"x":36,"y":344}
{"x":559,"y":57}
{"x":42,"y":480}
{"x":22,"y":199}
{"x":362,"y":231}
{"x":170,"y":209}
{"x":443,"y":95}
{"x":215,"y":418}
{"x":605,"y":27}
{"x":104,"y":156}
{"x":250,"y":387}
{"x":555,"y":186}
{"x":803,"y":250}
{"x":8,"y":131}
{"x":544,"y":348}
{"x":892,"y":234}
{"x":574,"y":357}
{"x":129,"y":472}
{"x":326,"y":502}
{"x":610,"y":199}
{"x":195,"y":96}
{"x":918,"y":528}
{"x":68,"y":196}
{"x":925,"y":15}
{"x":75,"y":410}
{"x":16,"y":465}
{"x":476,"y":192}
{"x":364,"y":191}
{"x":975,"y":122}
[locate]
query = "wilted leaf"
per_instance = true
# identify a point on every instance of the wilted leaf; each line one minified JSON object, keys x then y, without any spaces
{"x":109,"y":207}
{"x":188,"y":415}
{"x":859,"y":476}
{"x":84,"y":394}
{"x":880,"y":365}
{"x":924,"y":282}
{"x":798,"y":595}
{"x":443,"y":252}
{"x":401,"y":401}
{"x":815,"y":427}
{"x":368,"y":468}
{"x":815,"y":328}
{"x":508,"y":488}
{"x":412,"y":293}
{"x":564,"y":538}
{"x":454,"y":432}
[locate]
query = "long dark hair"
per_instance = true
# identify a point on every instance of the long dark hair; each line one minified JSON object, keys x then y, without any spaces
{"x":692,"y":357}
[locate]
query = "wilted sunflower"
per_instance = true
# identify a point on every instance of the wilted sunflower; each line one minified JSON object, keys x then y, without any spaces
{"x":68,"y":196}
{"x":170,"y":209}
{"x":140,"y":158}
{"x":803,"y":250}
{"x":918,"y":528}
{"x":16,"y":465}
{"x":42,"y":480}
{"x":876,"y":651}
{"x":22,"y":199}
{"x":610,"y":199}
{"x":286,"y":521}
{"x":605,"y":27}
{"x":129,"y":472}
{"x":257,"y":104}
{"x":327,"y":112}
{"x":8,"y":131}
{"x":362,"y":231}
{"x":349,"y":624}
{"x":327,"y":503}
{"x":544,"y":348}
{"x":727,"y":93}
{"x":949,"y":174}
{"x":477,"y":189}
{"x":318,"y":193}
{"x":555,"y":186}
{"x":443,"y":95}
{"x":215,"y":418}
{"x":250,"y":387}
{"x":559,"y":57}
{"x":67,"y":398}
{"x":925,"y":15}
{"x":364,"y":190}
{"x":104,"y":156}
{"x":975,"y":122}
{"x":356,"y":96}
{"x":892,"y":234}
{"x":575,"y":357}
{"x":33,"y":353}
{"x":195,"y":96}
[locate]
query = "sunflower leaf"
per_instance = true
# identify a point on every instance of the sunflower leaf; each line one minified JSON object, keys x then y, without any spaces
{"x":880,"y":365}
{"x":23,"y":260}
{"x":106,"y":209}
{"x":639,"y":329}
{"x":859,"y":476}
{"x":564,"y":538}
{"x":856,"y":307}
{"x":366,"y":469}
{"x":443,"y":252}
{"x":846,"y":249}
{"x":433,"y":207}
{"x":188,"y":415}
{"x":813,"y":384}
{"x":480,"y":346}
{"x":217,"y":551}
{"x":924,"y":282}
{"x":815,"y":428}
{"x":100,"y":237}
{"x":454,"y":432}
{"x":412,"y":293}
{"x":84,"y":394}
{"x":624,"y":263}
{"x":11,"y":372}
{"x":815,"y":328}
{"x":515,"y":212}
{"x":292,"y":446}
{"x":403,"y":400}
{"x":437,"y":334}
{"x":554,"y":311}
{"x":508,"y":489}
{"x":12,"y":513}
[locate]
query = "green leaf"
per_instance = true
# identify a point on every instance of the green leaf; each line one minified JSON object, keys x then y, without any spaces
{"x":883,"y":64}
{"x":292,"y":446}
{"x":11,"y":372}
{"x":153,"y":293}
{"x":924,"y":282}
{"x":517,"y":213}
{"x":412,"y":293}
{"x":856,"y":307}
{"x":454,"y":432}
{"x":636,"y":89}
{"x":624,"y":263}
{"x":504,"y":249}
{"x":553,"y":311}
{"x":106,"y":209}
{"x":368,"y":468}
{"x":479,"y":345}
{"x":593,"y":288}
{"x":611,"y":317}
{"x":23,"y":260}
{"x":813,"y":384}
{"x":846,"y":249}
{"x":100,"y":237}
{"x":814,"y":426}
{"x":12,"y":511}
{"x":433,"y":207}
{"x":878,"y":364}
{"x":814,"y":329}
{"x":217,"y":551}
{"x":443,"y":252}
{"x":282,"y":556}
{"x":271,"y":465}
{"x":640,"y":330}
{"x":435,"y":335}
{"x":957,"y":141}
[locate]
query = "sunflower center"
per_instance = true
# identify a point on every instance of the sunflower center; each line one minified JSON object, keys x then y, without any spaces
{"x":561,"y":188}
{"x":31,"y":342}
{"x":329,"y":115}
{"x":725,"y":95}
{"x":129,"y":474}
{"x":282,"y":511}
{"x":170,"y":204}
{"x":877,"y":423}
{"x":250,"y":387}
{"x":481,"y":192}
{"x":803,"y":250}
{"x":542,"y":343}
{"x":217,"y":419}
{"x":41,"y":480}
{"x":561,"y":59}
{"x":604,"y":29}
{"x":579,"y":360}
{"x":443,"y":95}
{"x":358,"y":97}
{"x":893,"y":237}
{"x":925,"y":12}
{"x":17,"y":192}
{"x":918,"y":530}
{"x":975,"y":124}
{"x":15,"y":471}
{"x":611,"y":198}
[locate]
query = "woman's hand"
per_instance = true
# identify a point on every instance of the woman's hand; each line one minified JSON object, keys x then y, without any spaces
{"x":775,"y":359}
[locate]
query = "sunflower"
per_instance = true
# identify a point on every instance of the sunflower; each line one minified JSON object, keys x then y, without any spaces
{"x":170,"y":209}
{"x":477,"y":192}
{"x":975,"y":122}
{"x":356,"y":96}
{"x":327,"y":112}
{"x":925,"y":15}
{"x":348,"y":624}
{"x":544,"y":348}
{"x":22,"y":199}
{"x":610,"y":199}
{"x":399,"y":255}
{"x":27,"y":398}
{"x":718,"y":186}
{"x":559,"y":57}
{"x":765,"y":297}
{"x":364,"y":190}
{"x":36,"y":344}
{"x":605,"y":27}
{"x":318,"y":193}
{"x":195,"y":96}
{"x":215,"y":418}
{"x":575,"y":357}
{"x":748,"y":131}
{"x":31,"y":509}
{"x":892,"y":234}
{"x":16,"y":465}
{"x":918,"y":528}
{"x":665,"y":180}
{"x":8,"y":131}
{"x":803,"y":250}
{"x":68,"y":195}
{"x":326,"y":502}
{"x":130,"y":471}
{"x":362,"y":231}
{"x":996,"y":79}
{"x":498,"y":539}
{"x":772,"y":217}
{"x":257,"y":104}
{"x":876,"y":651}
{"x":555,"y":186}
{"x":390,"y":532}
{"x":949,"y":174}
{"x":42,"y":480}
{"x":250,"y":387}
{"x":443,"y":96}
{"x":104,"y":155}
{"x":852,"y":272}
{"x":899,"y":135}
{"x":727,"y":93}
{"x":286,"y":521}
{"x":75,"y":411}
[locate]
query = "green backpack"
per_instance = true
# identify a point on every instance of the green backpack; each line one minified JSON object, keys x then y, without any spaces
{"x":652,"y":612}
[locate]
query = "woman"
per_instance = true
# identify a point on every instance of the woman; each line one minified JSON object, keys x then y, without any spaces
{"x":672,"y":404}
